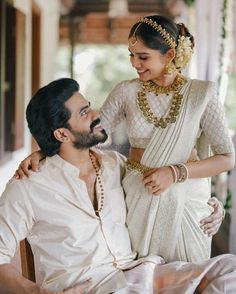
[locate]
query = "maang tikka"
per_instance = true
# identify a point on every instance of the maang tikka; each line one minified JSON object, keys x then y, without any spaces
{"x":133,"y":40}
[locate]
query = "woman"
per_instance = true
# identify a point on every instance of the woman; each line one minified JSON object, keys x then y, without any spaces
{"x":168,"y":116}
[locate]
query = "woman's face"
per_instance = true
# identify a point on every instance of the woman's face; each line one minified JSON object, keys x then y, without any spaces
{"x":149,"y":63}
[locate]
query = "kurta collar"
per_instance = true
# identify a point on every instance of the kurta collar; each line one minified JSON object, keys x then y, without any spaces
{"x":62,"y":164}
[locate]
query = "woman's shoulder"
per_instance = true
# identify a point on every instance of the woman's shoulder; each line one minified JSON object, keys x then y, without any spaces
{"x":204,"y":89}
{"x":124,"y":89}
{"x":203,"y":83}
{"x":128,"y":84}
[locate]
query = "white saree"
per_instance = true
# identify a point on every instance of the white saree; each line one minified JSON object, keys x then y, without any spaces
{"x":168,"y":225}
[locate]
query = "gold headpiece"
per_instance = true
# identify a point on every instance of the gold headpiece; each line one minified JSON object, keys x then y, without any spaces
{"x":165,"y":35}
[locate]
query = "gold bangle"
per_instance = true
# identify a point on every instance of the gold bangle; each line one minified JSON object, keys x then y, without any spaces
{"x":174,"y":173}
{"x":183,"y":172}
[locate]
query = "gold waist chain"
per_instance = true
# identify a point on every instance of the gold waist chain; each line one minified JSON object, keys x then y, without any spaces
{"x":141,"y":168}
{"x":179,"y":171}
{"x":137,"y":166}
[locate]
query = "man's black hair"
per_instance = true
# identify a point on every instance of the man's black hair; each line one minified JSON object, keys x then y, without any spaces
{"x":46,"y":112}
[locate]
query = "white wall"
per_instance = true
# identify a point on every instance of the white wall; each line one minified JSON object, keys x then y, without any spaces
{"x":49,"y":38}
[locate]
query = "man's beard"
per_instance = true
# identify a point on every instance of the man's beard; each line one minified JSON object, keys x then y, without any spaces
{"x":84,"y":140}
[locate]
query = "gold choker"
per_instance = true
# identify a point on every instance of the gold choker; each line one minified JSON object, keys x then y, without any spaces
{"x":176,"y":102}
{"x":179,"y":81}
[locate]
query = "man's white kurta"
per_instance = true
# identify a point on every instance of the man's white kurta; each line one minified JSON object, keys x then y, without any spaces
{"x":53,"y":210}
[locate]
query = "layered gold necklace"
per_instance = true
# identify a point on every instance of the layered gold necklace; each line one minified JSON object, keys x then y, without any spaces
{"x":151,"y":87}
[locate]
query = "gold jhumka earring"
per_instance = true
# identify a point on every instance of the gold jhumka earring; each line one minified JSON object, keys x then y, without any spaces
{"x":170,"y":68}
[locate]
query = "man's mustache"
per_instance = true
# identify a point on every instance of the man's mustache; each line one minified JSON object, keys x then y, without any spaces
{"x":94,"y":123}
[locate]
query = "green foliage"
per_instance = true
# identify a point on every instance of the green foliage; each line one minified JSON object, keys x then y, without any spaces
{"x":111,"y":66}
{"x":228,"y":201}
{"x":97,"y":68}
{"x":189,"y":2}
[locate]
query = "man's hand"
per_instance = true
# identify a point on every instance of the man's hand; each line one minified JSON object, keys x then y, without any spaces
{"x":211,"y":224}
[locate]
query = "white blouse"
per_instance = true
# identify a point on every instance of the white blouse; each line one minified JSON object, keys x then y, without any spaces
{"x":121,"y":106}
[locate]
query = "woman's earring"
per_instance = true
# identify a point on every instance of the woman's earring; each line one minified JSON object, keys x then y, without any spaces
{"x":170,"y":68}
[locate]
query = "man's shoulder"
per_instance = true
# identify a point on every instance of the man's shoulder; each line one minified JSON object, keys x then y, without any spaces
{"x":23,"y":188}
{"x":21,"y":184}
{"x":14,"y":190}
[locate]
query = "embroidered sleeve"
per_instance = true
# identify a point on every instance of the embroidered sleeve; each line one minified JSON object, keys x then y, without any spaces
{"x":112,"y":111}
{"x":214,"y":125}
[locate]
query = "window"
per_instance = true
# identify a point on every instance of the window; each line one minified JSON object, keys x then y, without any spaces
{"x":12,"y":88}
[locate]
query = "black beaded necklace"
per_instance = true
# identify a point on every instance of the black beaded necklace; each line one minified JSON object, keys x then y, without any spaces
{"x":99,"y":185}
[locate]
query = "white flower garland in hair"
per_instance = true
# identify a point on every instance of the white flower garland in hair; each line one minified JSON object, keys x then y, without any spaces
{"x":184,"y":52}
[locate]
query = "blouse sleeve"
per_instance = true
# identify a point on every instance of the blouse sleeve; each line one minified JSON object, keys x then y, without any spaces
{"x":214,"y":125}
{"x":112,"y":111}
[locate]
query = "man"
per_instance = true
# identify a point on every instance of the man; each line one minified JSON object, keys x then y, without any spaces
{"x":73,"y":212}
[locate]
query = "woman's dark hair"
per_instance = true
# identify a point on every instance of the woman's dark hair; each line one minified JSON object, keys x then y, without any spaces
{"x":152,"y":38}
{"x":46,"y":112}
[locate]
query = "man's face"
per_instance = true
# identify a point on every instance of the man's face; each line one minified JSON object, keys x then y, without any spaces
{"x":85,"y":123}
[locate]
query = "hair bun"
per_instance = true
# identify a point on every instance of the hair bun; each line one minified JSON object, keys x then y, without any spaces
{"x":183,"y":31}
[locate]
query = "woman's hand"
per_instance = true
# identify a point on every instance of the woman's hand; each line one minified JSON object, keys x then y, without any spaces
{"x":30,"y":163}
{"x":211,"y":224}
{"x":158,"y":180}
{"x":79,"y":289}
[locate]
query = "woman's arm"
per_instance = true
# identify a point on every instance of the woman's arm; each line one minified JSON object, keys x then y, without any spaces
{"x":211,"y":166}
{"x":30,"y":163}
{"x":158,"y":180}
{"x":112,"y":111}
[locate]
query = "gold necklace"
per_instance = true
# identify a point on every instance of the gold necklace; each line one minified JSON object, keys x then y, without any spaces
{"x":100,"y":191}
{"x":176,"y":102}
